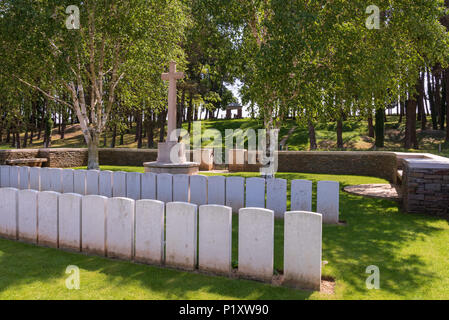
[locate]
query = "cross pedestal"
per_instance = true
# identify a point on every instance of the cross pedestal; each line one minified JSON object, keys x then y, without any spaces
{"x":171,"y":155}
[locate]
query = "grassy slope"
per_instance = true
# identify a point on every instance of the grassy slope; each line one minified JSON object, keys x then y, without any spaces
{"x":354,"y":136}
{"x":410,"y":250}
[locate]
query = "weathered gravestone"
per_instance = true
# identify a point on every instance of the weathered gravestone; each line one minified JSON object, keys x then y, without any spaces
{"x":301,"y":195}
{"x":119,"y":184}
{"x":256,"y":243}
{"x":35,"y":178}
{"x":302,"y":249}
{"x":70,"y":221}
{"x":181,"y":188}
{"x":133,"y":185}
{"x":27,"y":215}
{"x":149,"y":186}
{"x":215,"y":238}
{"x":255,"y":193}
{"x":181,"y":235}
{"x":150,"y":231}
{"x":56,"y":179}
{"x":92,"y":182}
{"x":79,"y":181}
{"x":277,"y":196}
{"x":47,"y":217}
{"x":120,"y":228}
{"x":235,"y":193}
{"x":105,"y":183}
{"x":165,"y":187}
{"x":67,"y":181}
{"x":93,"y":229}
{"x":198,"y":190}
{"x":24,"y":178}
{"x":14,"y":178}
{"x":216,"y":190}
{"x":328,"y":201}
{"x":8,"y":213}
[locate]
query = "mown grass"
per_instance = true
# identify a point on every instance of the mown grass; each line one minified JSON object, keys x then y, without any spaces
{"x":409,"y":249}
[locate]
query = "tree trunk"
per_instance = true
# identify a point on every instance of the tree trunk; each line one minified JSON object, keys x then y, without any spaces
{"x":380,"y":128}
{"x":312,"y":136}
{"x":446,"y":83}
{"x":114,"y":136}
{"x":150,"y":130}
{"x":370,"y":126}
{"x":339,"y":134}
{"x":93,"y":162}
{"x":402,"y":112}
{"x":421,"y":103}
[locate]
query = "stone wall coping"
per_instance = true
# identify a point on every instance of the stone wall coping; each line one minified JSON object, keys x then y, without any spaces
{"x":427,"y":163}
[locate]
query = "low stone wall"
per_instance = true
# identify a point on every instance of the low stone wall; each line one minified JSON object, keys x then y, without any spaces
{"x":426,"y":185}
{"x":18,"y":154}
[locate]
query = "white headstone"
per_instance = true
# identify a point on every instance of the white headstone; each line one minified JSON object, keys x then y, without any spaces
{"x":79,"y":182}
{"x":119,"y":184}
{"x":216,"y":190}
{"x":301,"y":195}
{"x":35,"y":178}
{"x":149,"y":186}
{"x":181,"y":188}
{"x":302,"y":249}
{"x":133,"y":185}
{"x":120,"y":228}
{"x":149,"y":231}
{"x":27,"y":215}
{"x":45,"y":179}
{"x":92,"y":182}
{"x":165,"y":187}
{"x":47,"y":217}
{"x":67,"y":181}
{"x":235,"y":193}
{"x":24,"y":178}
{"x":277,"y":196}
{"x":198,"y":190}
{"x":56,"y":180}
{"x":215,"y":238}
{"x":181,"y":235}
{"x":4,"y":176}
{"x":8,"y":213}
{"x":93,"y":225}
{"x":14,"y":178}
{"x":106,"y":183}
{"x":328,"y":201}
{"x":70,"y":221}
{"x":256,"y":243}
{"x":255,"y":193}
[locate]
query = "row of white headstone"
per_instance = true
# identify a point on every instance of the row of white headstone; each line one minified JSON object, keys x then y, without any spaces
{"x":197,"y":189}
{"x":176,"y":234}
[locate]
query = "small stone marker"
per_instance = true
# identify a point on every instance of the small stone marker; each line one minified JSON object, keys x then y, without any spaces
{"x":93,"y":221}
{"x":35,"y":178}
{"x":120,"y":228}
{"x":216,"y":190}
{"x":277,"y":196}
{"x":14,"y":178}
{"x":181,"y":188}
{"x":181,"y":235}
{"x":24,"y":178}
{"x":149,"y":186}
{"x":198,"y":190}
{"x":165,"y":187}
{"x":119,"y":184}
{"x":215,"y":238}
{"x":150,"y":231}
{"x":45,"y":179}
{"x":302,"y":249}
{"x":79,"y":181}
{"x":67,"y":181}
{"x":255,"y":193}
{"x":56,"y":179}
{"x":105,"y":184}
{"x":256,"y":243}
{"x":235,"y":193}
{"x":4,"y":176}
{"x":301,"y":195}
{"x":47,"y":217}
{"x":27,"y":215}
{"x":8,"y":213}
{"x":70,"y":221}
{"x":92,"y":182}
{"x":133,"y":185}
{"x":328,"y":201}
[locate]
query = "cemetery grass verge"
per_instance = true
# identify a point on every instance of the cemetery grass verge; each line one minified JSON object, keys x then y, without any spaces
{"x":410,"y":251}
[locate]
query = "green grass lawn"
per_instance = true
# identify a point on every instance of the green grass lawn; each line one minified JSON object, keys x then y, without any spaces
{"x":410,"y":250}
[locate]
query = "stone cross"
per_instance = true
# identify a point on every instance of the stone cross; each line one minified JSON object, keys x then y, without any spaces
{"x":171,"y":77}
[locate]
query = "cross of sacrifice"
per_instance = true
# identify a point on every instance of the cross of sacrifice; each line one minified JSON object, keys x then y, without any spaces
{"x":171,"y":77}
